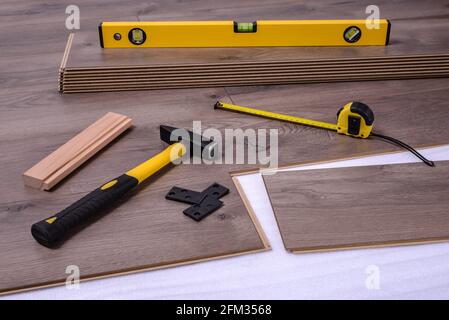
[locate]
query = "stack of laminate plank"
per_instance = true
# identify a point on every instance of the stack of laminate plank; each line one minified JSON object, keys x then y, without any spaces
{"x":141,"y":77}
{"x":419,"y":48}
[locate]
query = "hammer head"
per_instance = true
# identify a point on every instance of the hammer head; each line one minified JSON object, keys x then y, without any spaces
{"x":194,"y":143}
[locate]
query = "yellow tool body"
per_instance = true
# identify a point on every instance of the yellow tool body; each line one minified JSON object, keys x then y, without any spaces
{"x":167,"y":34}
{"x":54,"y":228}
{"x":354,"y":119}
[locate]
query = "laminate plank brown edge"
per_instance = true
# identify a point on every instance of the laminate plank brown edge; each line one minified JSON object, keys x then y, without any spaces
{"x":133,"y":271}
{"x":236,"y":173}
{"x":244,"y":75}
{"x":105,"y":246}
{"x":65,"y":56}
{"x":251,"y":213}
{"x":87,"y":153}
{"x":60,"y":163}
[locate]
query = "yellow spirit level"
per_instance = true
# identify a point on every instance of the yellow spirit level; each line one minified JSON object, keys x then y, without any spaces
{"x":273,"y":33}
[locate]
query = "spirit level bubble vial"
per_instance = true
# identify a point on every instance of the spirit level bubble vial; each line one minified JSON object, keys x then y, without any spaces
{"x":272,"y":33}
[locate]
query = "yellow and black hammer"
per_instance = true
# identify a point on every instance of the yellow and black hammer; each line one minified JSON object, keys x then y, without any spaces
{"x":55,"y":228}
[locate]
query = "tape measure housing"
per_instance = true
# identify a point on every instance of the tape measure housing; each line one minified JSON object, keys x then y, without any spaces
{"x":355,"y":119}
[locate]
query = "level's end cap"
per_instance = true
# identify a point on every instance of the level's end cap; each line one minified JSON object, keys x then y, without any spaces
{"x":100,"y":34}
{"x":217,"y":105}
{"x":189,"y":140}
{"x":387,"y":40}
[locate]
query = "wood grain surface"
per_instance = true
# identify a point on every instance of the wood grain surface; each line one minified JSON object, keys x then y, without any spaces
{"x":328,"y":209}
{"x":418,"y":27}
{"x":88,"y":68}
{"x":60,"y":163}
{"x":142,"y":232}
{"x":146,"y":231}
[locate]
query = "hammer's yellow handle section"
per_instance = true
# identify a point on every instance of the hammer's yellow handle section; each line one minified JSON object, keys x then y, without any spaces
{"x":154,"y":164}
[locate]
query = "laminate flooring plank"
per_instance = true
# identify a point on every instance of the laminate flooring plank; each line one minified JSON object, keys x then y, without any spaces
{"x":328,"y":209}
{"x":19,"y":12}
{"x":72,"y":90}
{"x":228,"y":70}
{"x":52,"y":124}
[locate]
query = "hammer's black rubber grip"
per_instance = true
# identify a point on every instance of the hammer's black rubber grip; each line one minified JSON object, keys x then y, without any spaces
{"x":53,"y":229}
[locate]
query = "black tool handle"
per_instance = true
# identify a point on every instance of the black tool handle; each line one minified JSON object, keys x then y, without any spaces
{"x":53,"y":229}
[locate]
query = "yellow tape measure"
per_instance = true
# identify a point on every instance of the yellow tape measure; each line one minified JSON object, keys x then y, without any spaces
{"x":354,"y":119}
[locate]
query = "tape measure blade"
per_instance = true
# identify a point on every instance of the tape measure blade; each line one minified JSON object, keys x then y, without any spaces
{"x":278,"y":116}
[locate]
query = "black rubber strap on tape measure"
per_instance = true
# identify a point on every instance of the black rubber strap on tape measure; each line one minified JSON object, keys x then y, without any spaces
{"x":405,"y":146}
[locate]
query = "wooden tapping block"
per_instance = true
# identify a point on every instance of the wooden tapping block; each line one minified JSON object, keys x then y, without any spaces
{"x":59,"y":164}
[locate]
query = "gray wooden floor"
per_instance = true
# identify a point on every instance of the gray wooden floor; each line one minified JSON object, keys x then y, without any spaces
{"x":36,"y":119}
